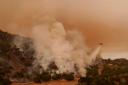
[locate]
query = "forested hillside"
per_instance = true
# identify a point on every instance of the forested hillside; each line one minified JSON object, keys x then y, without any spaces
{"x":16,"y":64}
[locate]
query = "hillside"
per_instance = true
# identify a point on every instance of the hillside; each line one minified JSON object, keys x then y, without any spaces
{"x":12,"y":60}
{"x":16,"y":66}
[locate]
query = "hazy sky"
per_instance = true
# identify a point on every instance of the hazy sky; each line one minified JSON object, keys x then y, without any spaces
{"x":99,"y":20}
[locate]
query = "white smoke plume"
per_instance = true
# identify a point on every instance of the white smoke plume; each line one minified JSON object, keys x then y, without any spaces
{"x":64,"y":47}
{"x":53,"y":43}
{"x":18,"y":41}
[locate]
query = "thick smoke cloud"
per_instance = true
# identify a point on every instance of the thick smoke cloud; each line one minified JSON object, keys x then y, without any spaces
{"x":63,"y":47}
{"x":52,"y":41}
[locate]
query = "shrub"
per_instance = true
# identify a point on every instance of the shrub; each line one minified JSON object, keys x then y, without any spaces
{"x":56,"y":76}
{"x":69,"y":77}
{"x":45,"y":76}
{"x":4,"y":81}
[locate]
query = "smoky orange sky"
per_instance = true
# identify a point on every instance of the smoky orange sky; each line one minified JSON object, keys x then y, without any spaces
{"x":103,"y":21}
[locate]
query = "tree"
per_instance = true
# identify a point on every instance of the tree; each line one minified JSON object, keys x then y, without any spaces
{"x":45,"y":76}
{"x":69,"y":76}
{"x":4,"y":81}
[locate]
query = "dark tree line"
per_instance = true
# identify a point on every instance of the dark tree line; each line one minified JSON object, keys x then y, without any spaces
{"x":110,"y":72}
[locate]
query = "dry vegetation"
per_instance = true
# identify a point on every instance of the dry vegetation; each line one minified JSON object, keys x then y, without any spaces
{"x":103,"y":72}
